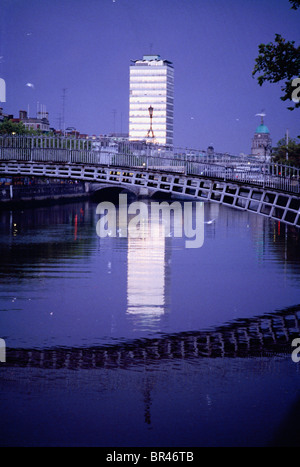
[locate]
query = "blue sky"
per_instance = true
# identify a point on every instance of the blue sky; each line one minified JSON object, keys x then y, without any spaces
{"x":86,"y":46}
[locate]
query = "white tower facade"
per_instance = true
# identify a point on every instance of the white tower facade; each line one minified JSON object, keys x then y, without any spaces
{"x":151,"y":100}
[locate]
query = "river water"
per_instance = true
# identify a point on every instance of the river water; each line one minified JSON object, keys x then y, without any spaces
{"x":137,"y":340}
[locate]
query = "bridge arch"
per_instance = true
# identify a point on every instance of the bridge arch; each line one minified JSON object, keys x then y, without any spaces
{"x":269,"y":202}
{"x":99,"y":190}
{"x":270,"y":190}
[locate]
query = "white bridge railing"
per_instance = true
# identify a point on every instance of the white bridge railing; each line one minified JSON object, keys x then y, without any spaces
{"x":245,"y":170}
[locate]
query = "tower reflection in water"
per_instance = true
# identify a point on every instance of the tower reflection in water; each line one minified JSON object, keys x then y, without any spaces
{"x":147,"y":275}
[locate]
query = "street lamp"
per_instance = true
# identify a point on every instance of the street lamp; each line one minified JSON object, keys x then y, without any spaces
{"x":150,"y":131}
{"x":267,"y":148}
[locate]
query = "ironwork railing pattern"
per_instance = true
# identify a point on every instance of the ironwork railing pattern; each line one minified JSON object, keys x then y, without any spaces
{"x":244,"y":169}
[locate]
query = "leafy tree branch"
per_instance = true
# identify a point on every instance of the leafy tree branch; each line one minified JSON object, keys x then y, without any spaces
{"x":280,"y":61}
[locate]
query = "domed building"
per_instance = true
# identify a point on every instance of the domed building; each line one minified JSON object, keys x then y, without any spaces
{"x":262,"y":142}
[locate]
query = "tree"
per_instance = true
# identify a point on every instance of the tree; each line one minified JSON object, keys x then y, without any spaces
{"x":287,"y":153}
{"x":280,"y":61}
{"x":10,"y":128}
{"x":295,"y":4}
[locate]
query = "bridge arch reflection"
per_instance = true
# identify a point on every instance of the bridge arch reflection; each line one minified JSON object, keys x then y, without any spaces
{"x":262,"y":336}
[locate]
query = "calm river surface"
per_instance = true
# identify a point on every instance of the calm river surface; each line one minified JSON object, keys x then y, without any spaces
{"x":124,"y":341}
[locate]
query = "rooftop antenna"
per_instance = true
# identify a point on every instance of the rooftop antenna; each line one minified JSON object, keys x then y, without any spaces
{"x":114,"y":114}
{"x":59,"y":121}
{"x":63,"y":109}
{"x":262,"y":115}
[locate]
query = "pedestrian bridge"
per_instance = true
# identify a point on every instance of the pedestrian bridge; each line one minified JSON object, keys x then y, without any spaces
{"x":244,"y":183}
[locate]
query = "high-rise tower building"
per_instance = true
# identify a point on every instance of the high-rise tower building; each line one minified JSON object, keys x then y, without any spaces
{"x":151,"y":101}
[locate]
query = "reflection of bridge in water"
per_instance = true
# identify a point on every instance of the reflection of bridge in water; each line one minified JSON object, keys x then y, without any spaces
{"x":261,"y":336}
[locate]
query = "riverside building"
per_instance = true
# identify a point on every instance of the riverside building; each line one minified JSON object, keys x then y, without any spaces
{"x":262,"y":142}
{"x":151,"y":101}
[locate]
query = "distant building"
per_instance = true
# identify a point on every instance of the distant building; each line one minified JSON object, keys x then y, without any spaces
{"x":262,"y":142}
{"x":210,"y":150}
{"x":151,"y":100}
{"x":41,"y":122}
{"x":4,"y":116}
{"x":118,"y":136}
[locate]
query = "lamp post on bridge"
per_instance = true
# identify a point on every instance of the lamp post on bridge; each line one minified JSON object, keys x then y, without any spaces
{"x":150,"y":131}
{"x":267,"y":149}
